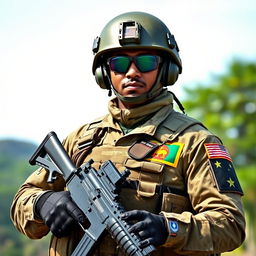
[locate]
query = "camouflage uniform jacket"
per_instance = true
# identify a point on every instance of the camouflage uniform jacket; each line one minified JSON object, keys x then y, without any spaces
{"x":189,"y":178}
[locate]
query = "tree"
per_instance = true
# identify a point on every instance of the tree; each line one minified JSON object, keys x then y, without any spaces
{"x":228,"y":107}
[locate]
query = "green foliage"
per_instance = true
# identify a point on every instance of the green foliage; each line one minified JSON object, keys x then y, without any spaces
{"x":227,"y":106}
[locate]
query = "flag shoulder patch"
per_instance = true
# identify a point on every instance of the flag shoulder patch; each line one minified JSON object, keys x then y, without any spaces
{"x":222,"y":169}
{"x":215,"y":150}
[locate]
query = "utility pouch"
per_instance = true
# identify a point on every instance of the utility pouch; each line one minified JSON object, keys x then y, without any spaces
{"x":148,"y":175}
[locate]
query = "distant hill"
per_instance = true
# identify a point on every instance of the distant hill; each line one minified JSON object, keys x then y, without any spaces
{"x":14,"y":165}
{"x":14,"y":169}
{"x":16,"y":149}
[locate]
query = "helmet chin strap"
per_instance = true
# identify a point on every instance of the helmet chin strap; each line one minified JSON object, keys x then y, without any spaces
{"x":152,"y":93}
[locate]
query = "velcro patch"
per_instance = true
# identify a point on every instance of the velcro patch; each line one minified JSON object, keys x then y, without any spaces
{"x":222,"y":168}
{"x":215,"y":150}
{"x":225,"y":176}
{"x":168,"y":153}
{"x":142,"y":149}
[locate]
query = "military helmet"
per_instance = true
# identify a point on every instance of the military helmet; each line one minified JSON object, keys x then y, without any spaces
{"x":136,"y":30}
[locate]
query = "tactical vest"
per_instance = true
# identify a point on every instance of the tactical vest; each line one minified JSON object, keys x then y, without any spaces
{"x":145,"y":189}
{"x":142,"y":171}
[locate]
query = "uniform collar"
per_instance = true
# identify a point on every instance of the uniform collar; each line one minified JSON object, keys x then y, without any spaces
{"x":129,"y":117}
{"x":152,"y":124}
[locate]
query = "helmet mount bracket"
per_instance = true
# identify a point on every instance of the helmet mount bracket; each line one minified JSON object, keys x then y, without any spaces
{"x":171,"y":41}
{"x":129,"y":32}
{"x":96,"y":44}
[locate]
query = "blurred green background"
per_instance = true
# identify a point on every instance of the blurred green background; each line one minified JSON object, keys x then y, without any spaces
{"x":226,"y":105}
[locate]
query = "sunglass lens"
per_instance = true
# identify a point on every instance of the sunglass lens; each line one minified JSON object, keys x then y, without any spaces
{"x":119,"y":64}
{"x":146,"y":63}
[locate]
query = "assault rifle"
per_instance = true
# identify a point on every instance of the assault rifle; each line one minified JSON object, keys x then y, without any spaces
{"x":95,"y":193}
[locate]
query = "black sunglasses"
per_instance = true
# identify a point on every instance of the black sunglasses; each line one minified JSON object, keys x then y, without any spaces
{"x":144,"y":63}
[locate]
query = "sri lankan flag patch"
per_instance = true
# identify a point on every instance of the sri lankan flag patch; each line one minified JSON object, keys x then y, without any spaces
{"x":168,"y":153}
{"x":222,"y":168}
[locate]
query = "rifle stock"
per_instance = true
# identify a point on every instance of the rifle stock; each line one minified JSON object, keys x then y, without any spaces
{"x":52,"y":156}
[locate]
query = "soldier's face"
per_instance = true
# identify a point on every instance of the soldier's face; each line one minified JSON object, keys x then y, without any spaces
{"x":133,"y":82}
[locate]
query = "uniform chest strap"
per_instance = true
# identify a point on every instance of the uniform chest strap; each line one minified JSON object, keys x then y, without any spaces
{"x":160,"y":189}
{"x":84,"y":148}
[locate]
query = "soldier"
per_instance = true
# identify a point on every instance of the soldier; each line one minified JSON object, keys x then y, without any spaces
{"x":182,"y":196}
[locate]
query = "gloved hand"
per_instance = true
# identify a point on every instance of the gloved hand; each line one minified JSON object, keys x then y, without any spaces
{"x":151,"y":228}
{"x":59,"y":212}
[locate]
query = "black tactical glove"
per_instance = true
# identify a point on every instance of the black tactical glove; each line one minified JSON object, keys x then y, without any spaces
{"x":151,"y":228}
{"x":59,"y":212}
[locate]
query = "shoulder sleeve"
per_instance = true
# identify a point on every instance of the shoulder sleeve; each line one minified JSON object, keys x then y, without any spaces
{"x":175,"y":124}
{"x":217,"y":223}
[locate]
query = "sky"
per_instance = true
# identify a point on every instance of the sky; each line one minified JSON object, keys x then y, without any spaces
{"x":46,"y":80}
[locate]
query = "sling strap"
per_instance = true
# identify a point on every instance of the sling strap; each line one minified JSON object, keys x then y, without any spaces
{"x":84,"y":149}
